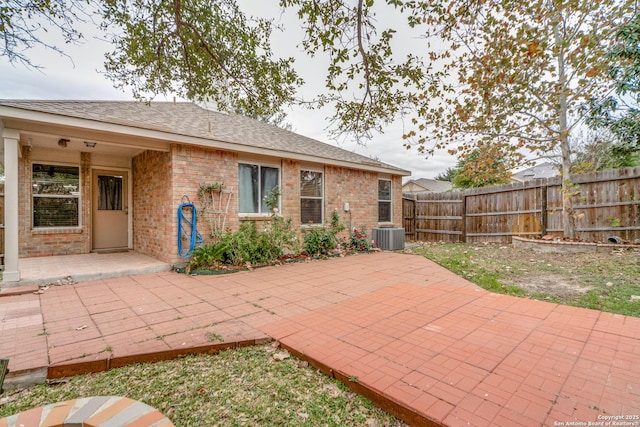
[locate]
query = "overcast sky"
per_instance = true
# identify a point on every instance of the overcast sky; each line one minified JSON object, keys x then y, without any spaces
{"x":80,"y":78}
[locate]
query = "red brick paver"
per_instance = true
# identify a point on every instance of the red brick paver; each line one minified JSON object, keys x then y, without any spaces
{"x":420,"y":341}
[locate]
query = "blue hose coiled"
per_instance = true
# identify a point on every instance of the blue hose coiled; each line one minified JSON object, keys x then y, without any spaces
{"x":187,"y":228}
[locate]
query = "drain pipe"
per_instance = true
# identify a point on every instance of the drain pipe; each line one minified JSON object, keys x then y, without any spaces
{"x":346,"y":208}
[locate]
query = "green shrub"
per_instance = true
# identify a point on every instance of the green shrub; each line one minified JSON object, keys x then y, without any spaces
{"x":208,"y":256}
{"x":321,"y":241}
{"x":358,"y":241}
{"x":279,"y":229}
{"x":283,"y":235}
{"x":335,"y":225}
{"x":249,"y":246}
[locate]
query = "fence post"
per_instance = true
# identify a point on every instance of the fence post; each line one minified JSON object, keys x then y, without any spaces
{"x":543,"y":210}
{"x":464,"y":219}
{"x":414,"y":220}
{"x":409,"y":216}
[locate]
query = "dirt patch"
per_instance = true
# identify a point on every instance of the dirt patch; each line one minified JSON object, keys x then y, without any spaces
{"x":606,"y":281}
{"x":552,"y":284}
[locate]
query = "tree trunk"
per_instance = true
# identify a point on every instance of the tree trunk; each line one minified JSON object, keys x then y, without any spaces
{"x":568,"y":214}
{"x":568,"y":190}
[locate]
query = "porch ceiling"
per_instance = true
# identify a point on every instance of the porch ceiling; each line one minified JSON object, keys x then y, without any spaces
{"x":78,"y":144}
{"x":43,"y":135}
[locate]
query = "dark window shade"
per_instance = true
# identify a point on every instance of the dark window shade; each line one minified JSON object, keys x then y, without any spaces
{"x":384,"y":200}
{"x":55,"y":212}
{"x":109,"y":193}
{"x":311,"y":211}
{"x":55,"y":193}
{"x":311,"y":197}
{"x":384,"y":211}
{"x":310,"y":184}
{"x":384,"y":189}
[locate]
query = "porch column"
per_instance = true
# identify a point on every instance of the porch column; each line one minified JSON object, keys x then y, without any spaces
{"x":11,"y":152}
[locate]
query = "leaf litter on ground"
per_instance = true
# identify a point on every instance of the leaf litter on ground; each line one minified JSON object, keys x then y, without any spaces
{"x":606,"y":281}
{"x":244,"y":386}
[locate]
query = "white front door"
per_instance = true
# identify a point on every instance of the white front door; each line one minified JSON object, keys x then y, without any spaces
{"x":110,"y":210}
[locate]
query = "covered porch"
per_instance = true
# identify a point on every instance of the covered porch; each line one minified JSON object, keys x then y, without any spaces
{"x":84,"y":267}
{"x":77,"y":211}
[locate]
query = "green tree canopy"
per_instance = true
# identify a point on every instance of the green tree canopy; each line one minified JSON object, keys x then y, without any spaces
{"x":203,"y":50}
{"x":600,"y":149}
{"x":448,"y":175}
{"x":620,"y":112}
{"x":481,"y":168}
{"x":495,"y":75}
{"x":499,"y":72}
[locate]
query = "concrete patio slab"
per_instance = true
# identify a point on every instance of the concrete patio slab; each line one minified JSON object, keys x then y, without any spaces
{"x":421,"y":342}
{"x":85,"y":267}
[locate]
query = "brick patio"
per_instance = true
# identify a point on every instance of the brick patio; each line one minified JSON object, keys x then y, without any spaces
{"x":418,"y":340}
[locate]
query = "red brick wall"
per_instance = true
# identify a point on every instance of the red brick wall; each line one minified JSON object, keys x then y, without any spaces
{"x":161,"y":179}
{"x":290,"y":198}
{"x":43,"y":242}
{"x":152,"y":211}
{"x":24,"y":201}
{"x":195,"y":166}
{"x":396,"y":202}
{"x":160,"y":182}
{"x":359,"y":189}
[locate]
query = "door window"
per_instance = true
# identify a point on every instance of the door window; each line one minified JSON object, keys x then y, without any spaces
{"x":109,"y":193}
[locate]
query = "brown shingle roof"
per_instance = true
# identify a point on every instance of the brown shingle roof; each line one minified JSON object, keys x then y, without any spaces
{"x":188,"y":119}
{"x":543,"y":170}
{"x":433,"y":185}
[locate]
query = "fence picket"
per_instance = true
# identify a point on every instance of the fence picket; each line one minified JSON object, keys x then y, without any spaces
{"x":608,"y":204}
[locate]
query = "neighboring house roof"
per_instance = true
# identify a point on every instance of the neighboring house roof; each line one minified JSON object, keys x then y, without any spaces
{"x":425,"y":184}
{"x":196,"y":125}
{"x":543,"y":170}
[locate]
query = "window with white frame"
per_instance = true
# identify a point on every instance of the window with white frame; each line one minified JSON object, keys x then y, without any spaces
{"x":311,"y":197}
{"x":255,"y":183}
{"x":56,"y":195}
{"x":384,"y":200}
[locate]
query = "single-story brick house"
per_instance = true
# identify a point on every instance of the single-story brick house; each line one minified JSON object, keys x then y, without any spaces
{"x":83,"y":176}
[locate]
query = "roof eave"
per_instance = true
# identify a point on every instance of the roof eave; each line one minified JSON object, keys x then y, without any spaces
{"x":17,"y":113}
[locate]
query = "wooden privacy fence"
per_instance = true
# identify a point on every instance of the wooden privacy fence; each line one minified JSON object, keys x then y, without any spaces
{"x":607,"y":204}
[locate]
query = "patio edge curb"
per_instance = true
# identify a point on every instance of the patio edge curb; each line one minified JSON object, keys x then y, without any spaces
{"x":381,"y":400}
{"x":11,"y":291}
{"x":62,"y":370}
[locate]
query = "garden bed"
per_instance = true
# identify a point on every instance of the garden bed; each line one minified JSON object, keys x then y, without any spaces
{"x":287,"y":259}
{"x":564,"y":246}
{"x":226,"y":269}
{"x":275,"y":243}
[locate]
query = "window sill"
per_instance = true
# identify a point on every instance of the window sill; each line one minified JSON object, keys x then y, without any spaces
{"x":255,"y":217}
{"x":61,"y":230}
{"x":314,"y":225}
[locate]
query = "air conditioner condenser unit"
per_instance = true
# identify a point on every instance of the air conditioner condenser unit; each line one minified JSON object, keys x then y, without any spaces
{"x":389,"y":239}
